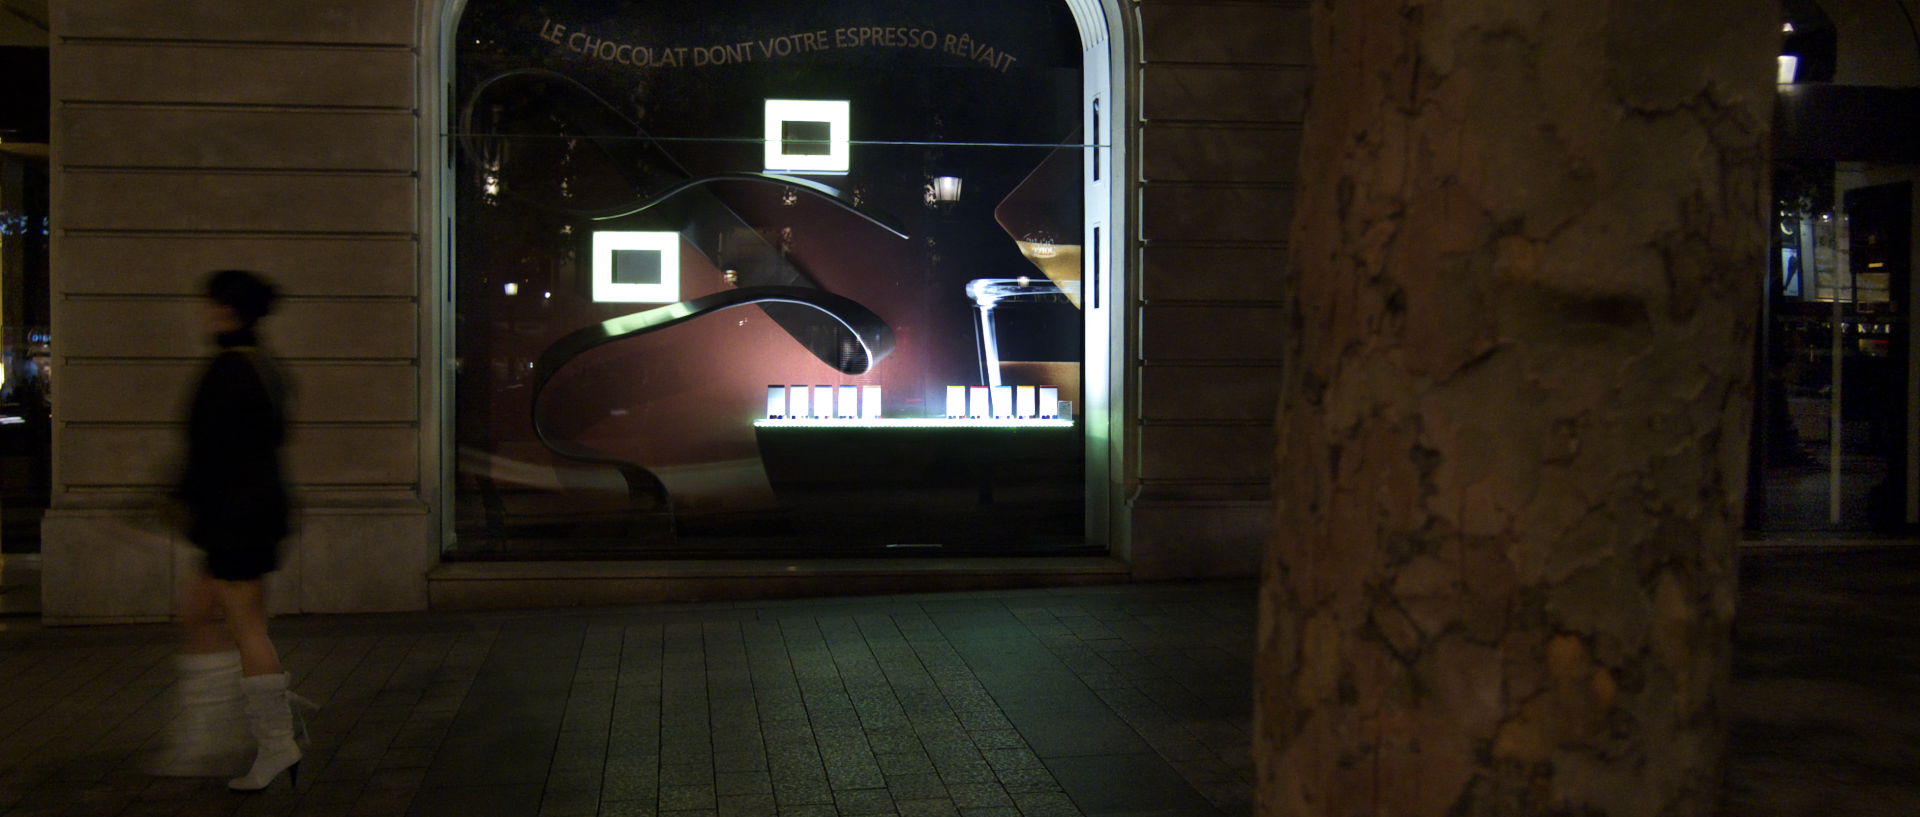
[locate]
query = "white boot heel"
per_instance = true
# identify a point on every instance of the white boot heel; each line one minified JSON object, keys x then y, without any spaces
{"x":301,"y":708}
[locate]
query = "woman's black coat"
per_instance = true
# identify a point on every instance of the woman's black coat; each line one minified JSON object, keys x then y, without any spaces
{"x":233,"y":488}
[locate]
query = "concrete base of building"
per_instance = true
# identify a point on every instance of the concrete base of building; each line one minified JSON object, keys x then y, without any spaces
{"x":1185,"y":540}
{"x":499,"y":585}
{"x":111,"y":565}
{"x":118,"y":565}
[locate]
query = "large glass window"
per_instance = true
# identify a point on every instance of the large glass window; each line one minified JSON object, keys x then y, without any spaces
{"x":745,"y":277}
{"x":1837,"y":412}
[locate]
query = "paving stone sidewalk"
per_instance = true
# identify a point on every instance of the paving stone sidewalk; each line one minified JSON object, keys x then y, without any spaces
{"x":1130,"y":700}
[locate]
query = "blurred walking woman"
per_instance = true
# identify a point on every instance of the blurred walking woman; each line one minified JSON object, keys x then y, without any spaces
{"x":237,"y":505}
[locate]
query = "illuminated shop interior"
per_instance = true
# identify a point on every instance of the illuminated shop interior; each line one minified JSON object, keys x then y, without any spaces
{"x":723,"y":288}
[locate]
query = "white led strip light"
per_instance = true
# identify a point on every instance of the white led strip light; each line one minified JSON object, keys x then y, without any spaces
{"x":914,"y":422}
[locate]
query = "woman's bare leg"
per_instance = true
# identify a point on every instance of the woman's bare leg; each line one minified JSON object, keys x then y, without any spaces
{"x":201,"y":632}
{"x":208,"y":733}
{"x":245,"y":603}
{"x":264,"y":684}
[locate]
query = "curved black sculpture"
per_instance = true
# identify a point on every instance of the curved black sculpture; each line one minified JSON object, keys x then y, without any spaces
{"x":638,"y":179}
{"x":872,"y":342}
{"x":636,"y":171}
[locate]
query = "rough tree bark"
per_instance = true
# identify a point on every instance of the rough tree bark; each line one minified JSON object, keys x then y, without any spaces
{"x":1526,"y":260}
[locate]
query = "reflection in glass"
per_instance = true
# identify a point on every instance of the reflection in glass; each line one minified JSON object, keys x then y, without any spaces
{"x":1833,"y":426}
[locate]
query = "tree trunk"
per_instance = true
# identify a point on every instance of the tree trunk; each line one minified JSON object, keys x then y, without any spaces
{"x":1526,"y":259}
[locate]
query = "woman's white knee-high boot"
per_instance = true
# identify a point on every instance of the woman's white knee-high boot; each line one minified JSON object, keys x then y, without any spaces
{"x":207,"y":736}
{"x":270,"y":718}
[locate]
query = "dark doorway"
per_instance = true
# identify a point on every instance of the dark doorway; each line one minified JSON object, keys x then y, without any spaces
{"x":1835,"y":426}
{"x":26,"y":375}
{"x":25,"y":329}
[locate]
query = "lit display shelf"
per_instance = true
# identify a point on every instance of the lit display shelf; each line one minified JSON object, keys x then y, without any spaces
{"x":914,"y":422}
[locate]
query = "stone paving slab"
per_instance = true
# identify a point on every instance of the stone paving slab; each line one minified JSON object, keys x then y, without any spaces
{"x":976,"y":704}
{"x":1102,"y":701}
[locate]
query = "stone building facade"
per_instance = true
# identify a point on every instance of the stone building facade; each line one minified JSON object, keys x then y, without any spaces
{"x":301,"y":139}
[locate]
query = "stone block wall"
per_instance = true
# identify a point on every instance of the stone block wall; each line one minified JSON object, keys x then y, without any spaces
{"x":198,"y":135}
{"x":287,"y":137}
{"x":1222,"y":89}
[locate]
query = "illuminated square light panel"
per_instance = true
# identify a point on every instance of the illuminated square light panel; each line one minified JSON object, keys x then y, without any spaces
{"x":808,"y":135}
{"x":632,"y":266}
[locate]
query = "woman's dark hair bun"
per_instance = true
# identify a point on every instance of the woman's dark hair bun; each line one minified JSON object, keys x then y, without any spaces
{"x":246,"y":293}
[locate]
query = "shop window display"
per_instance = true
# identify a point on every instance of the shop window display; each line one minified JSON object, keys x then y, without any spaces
{"x":720,"y":267}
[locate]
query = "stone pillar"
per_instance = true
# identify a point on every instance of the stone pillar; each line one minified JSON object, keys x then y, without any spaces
{"x":276,"y":136}
{"x":1223,"y":86}
{"x":1512,"y":434}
